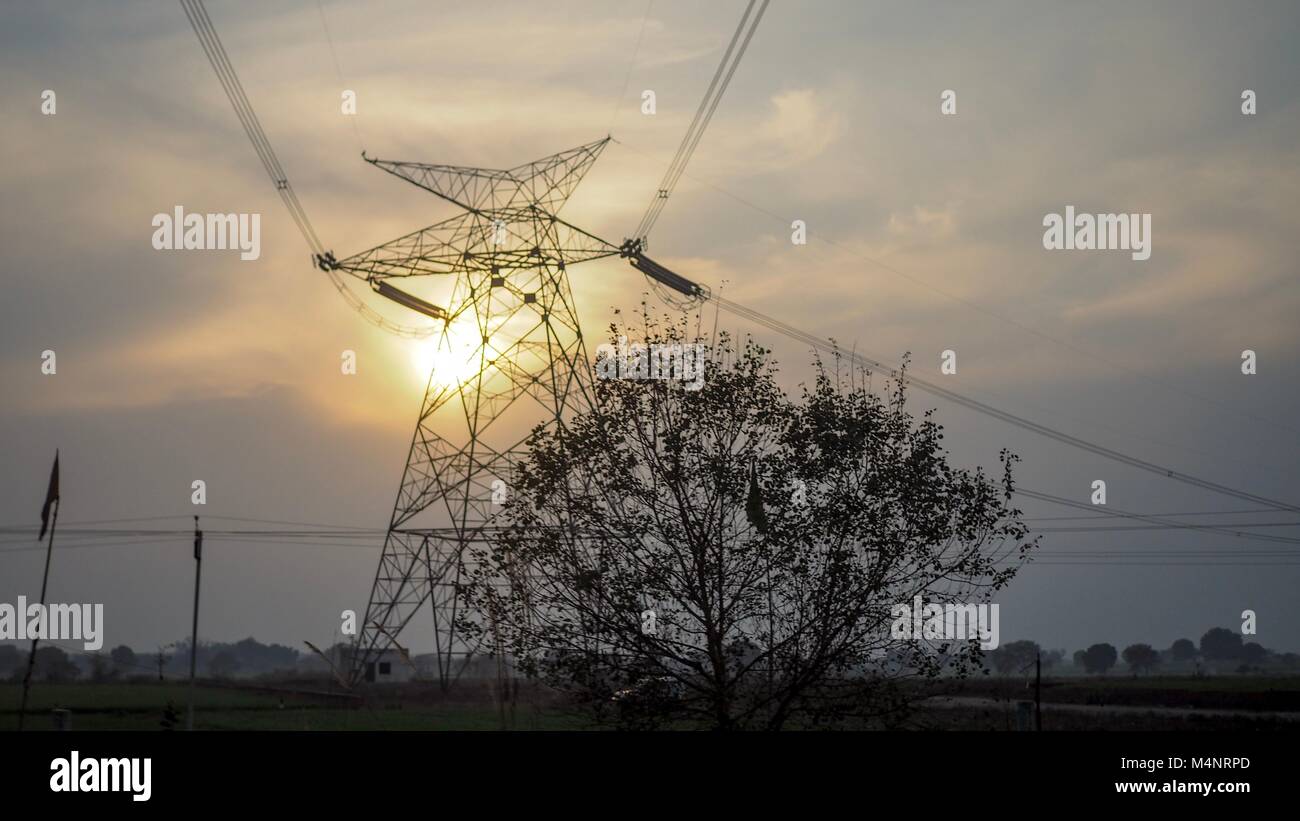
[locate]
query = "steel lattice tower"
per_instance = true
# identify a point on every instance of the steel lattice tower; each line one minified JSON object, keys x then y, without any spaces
{"x":507,"y":256}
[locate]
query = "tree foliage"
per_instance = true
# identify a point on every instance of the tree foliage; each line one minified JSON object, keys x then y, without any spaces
{"x":636,"y":573}
{"x":10,"y":659}
{"x":124,"y":660}
{"x":1253,"y":653}
{"x":53,"y":665}
{"x":1014,"y":657}
{"x":1141,"y":658}
{"x":1052,"y":658}
{"x":1221,"y":644}
{"x":1183,"y":650}
{"x":1098,"y":658}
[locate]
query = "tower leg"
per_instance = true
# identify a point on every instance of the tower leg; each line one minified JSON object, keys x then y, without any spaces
{"x":456,"y":486}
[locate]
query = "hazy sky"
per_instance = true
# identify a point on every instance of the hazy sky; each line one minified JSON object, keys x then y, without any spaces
{"x":925,"y":234}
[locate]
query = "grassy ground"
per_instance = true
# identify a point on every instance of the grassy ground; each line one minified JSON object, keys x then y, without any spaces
{"x":306,"y":705}
{"x":1231,"y":692}
{"x":141,"y":706}
{"x":1000,"y":719}
{"x":116,"y":697}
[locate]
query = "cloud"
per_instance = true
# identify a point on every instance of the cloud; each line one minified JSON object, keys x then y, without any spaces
{"x":801,"y":125}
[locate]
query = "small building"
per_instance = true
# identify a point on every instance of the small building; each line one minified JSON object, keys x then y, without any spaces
{"x":388,"y":668}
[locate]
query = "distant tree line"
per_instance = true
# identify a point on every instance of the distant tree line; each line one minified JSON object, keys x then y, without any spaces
{"x":215,"y":660}
{"x":1219,"y":646}
{"x":249,"y":657}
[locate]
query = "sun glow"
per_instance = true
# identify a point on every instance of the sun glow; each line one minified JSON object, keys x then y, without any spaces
{"x":452,"y":358}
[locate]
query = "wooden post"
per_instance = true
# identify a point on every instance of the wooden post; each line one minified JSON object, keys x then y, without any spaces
{"x":194,"y":634}
{"x":1038,"y":691}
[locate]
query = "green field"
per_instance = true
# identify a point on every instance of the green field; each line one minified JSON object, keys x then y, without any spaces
{"x":1108,"y":703}
{"x":141,"y":706}
{"x":1231,"y":692}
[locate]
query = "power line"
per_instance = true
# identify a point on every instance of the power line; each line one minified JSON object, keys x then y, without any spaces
{"x":375,"y":543}
{"x":1239,"y":565}
{"x":108,"y":521}
{"x":1100,"y":558}
{"x":221,"y":65}
{"x":1018,"y":325}
{"x":357,"y":538}
{"x":220,"y":62}
{"x":225,"y":71}
{"x":82,"y":546}
{"x":234,"y":90}
{"x":283,"y":522}
{"x":1116,"y":528}
{"x":90,"y":535}
{"x":627,"y":78}
{"x":703,"y":114}
{"x":345,"y":534}
{"x":338,"y":68}
{"x":829,"y":346}
{"x":677,"y":168}
{"x":74,"y":535}
{"x":1185,"y":513}
{"x":1149,"y":552}
{"x":1058,"y":500}
{"x":78,"y":530}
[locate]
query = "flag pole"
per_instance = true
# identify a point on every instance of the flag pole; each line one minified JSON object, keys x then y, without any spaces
{"x":45,"y":580}
{"x":51,"y":499}
{"x":194,"y":636}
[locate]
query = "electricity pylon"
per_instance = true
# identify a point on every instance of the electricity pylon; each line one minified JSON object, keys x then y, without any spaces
{"x":506,"y":258}
{"x":509,"y":331}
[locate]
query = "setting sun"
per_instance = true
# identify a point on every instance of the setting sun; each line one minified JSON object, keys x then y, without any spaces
{"x":452,"y":358}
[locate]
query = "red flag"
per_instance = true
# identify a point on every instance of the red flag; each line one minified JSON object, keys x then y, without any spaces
{"x":50,"y":496}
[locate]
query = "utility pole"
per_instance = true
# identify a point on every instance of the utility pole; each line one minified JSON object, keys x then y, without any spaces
{"x":1038,"y":691}
{"x":194,"y":634}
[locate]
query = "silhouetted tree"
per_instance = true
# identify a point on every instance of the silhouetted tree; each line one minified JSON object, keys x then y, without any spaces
{"x":1183,"y":650}
{"x":53,"y":665}
{"x":1052,"y":658}
{"x":1099,"y":658}
{"x":1014,"y":657}
{"x":10,"y":659}
{"x":223,"y":665}
{"x":250,"y":655}
{"x":124,"y":659}
{"x":1253,"y":654}
{"x":101,"y":668}
{"x":1220,"y":644}
{"x":640,"y":503}
{"x":253,"y":656}
{"x":1141,"y":657}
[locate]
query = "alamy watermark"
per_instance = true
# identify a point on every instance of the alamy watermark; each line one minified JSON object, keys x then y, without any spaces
{"x":54,"y":622}
{"x":946,"y":622}
{"x":77,"y":774}
{"x":1098,"y":232}
{"x":179,"y":231}
{"x":672,"y":361}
